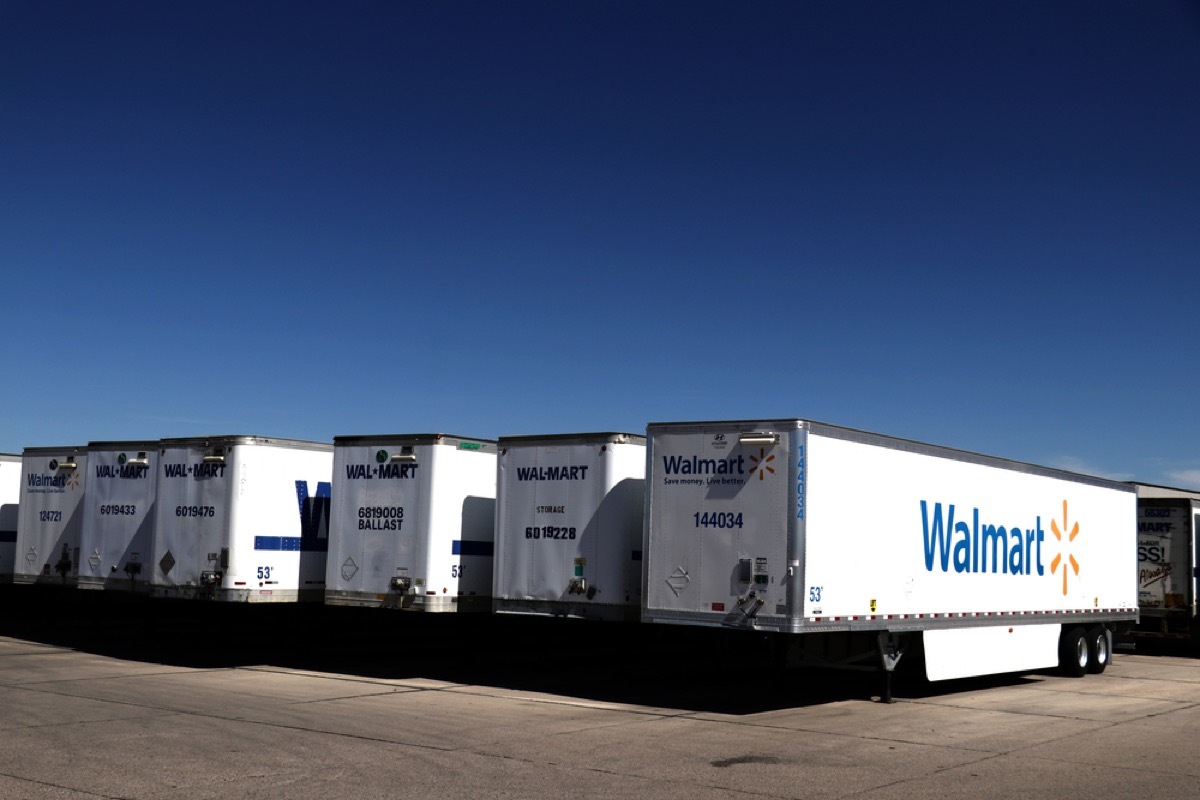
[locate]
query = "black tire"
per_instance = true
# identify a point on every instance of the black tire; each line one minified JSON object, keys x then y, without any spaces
{"x":1074,"y":655}
{"x":1099,"y":650}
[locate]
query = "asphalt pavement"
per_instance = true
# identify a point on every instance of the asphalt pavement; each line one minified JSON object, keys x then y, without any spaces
{"x":105,"y":697}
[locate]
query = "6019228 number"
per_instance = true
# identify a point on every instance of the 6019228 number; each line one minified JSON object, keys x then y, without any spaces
{"x":550,"y":532}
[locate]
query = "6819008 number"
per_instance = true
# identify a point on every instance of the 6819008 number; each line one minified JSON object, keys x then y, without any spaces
{"x":718,"y":519}
{"x":381,"y":512}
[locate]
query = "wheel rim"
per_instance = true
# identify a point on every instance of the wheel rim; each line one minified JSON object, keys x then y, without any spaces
{"x":1081,"y":652}
{"x":1101,"y":649}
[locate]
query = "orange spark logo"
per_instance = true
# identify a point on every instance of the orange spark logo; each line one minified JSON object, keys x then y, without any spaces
{"x":762,"y":460}
{"x":1058,"y":534}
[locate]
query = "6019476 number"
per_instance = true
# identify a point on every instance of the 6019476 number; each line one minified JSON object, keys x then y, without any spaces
{"x":195,"y":511}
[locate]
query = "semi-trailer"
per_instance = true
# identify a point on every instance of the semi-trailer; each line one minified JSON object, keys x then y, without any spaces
{"x":413,"y":522}
{"x":50,"y":515}
{"x":855,"y":547}
{"x":10,"y":494}
{"x":118,"y":515}
{"x":569,"y":525}
{"x":241,"y":519}
{"x":1168,"y":538}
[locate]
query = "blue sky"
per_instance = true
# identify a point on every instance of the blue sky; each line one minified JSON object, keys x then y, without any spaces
{"x":974,"y":224}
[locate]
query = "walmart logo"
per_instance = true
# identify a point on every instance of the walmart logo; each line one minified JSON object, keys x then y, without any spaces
{"x":1058,"y":559}
{"x":966,"y":543}
{"x":762,"y":463}
{"x":694,"y":465}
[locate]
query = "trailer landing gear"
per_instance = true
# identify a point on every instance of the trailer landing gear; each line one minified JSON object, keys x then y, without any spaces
{"x":891,"y":650}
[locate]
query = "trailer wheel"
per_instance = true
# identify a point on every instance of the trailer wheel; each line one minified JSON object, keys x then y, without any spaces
{"x":1099,"y":653}
{"x":1073,"y":653}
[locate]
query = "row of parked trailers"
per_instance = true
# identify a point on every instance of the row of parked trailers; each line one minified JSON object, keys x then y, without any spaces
{"x":785,"y":526}
{"x":404,"y":521}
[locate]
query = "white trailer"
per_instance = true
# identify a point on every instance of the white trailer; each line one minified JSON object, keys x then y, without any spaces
{"x":413,"y":522}
{"x":118,"y":515}
{"x":241,"y":518}
{"x":877,"y":543}
{"x":10,"y":495}
{"x":569,"y":525}
{"x":1168,"y":538}
{"x":50,"y":517}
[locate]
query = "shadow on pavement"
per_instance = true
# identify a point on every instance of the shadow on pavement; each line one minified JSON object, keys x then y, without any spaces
{"x":686,"y":668}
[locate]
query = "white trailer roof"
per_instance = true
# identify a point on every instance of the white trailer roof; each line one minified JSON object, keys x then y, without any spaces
{"x":893,"y":442}
{"x":235,"y":439}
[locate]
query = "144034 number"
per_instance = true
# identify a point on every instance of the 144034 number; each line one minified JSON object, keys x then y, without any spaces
{"x":718,"y":519}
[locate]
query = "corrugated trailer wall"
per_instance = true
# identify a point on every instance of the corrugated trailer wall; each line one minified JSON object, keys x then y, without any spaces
{"x":413,"y":522}
{"x":10,"y":494}
{"x":50,"y":517}
{"x":242,"y":518}
{"x":569,"y":525}
{"x":118,"y":516}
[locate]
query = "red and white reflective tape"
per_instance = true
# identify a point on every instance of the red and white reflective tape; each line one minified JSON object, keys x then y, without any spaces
{"x":977,"y":614}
